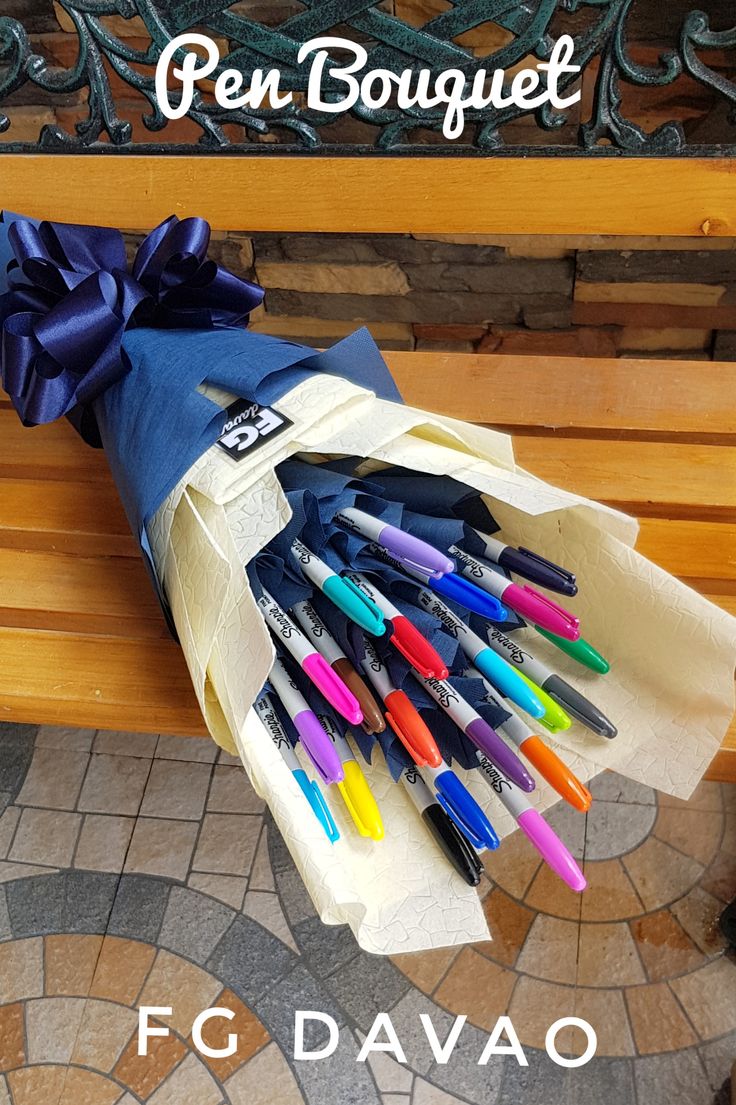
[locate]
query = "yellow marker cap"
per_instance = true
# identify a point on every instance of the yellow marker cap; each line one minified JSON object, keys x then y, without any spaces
{"x":360,"y":802}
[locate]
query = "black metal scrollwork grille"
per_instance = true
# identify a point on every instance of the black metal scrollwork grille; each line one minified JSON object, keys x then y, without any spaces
{"x":110,"y":80}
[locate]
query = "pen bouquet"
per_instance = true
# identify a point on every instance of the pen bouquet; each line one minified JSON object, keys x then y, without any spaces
{"x":243,"y":462}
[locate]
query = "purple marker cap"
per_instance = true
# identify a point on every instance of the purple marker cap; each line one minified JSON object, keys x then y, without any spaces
{"x":319,"y":747}
{"x":552,"y":850}
{"x":499,"y":753}
{"x":415,"y":553}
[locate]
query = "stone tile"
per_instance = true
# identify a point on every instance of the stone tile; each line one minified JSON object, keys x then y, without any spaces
{"x":89,"y":898}
{"x":104,"y":1031}
{"x":118,"y":742}
{"x":37,"y":905}
{"x":64,"y":740}
{"x":250,"y":959}
{"x":405,"y":1019}
{"x":188,"y":989}
{"x":550,"y":950}
{"x":225,"y":888}
{"x":327,"y":947}
{"x":251,"y":1034}
{"x":462,"y":1076}
{"x":602,"y":1082}
{"x":728,"y":843}
{"x":114,"y":784}
{"x":228,"y":760}
{"x":193,"y":925}
{"x":264,"y":1080}
{"x":69,"y":964}
{"x":390,"y":1076}
{"x":103,"y":842}
{"x":191,"y":1081}
{"x":143,"y":1074}
{"x":176,"y":789}
{"x":509,"y":923}
{"x":193,"y":749}
{"x":9,"y":872}
{"x":514,"y":866}
{"x":5,"y":930}
{"x":294,"y":897}
{"x":664,"y":946}
{"x":339,"y":1078}
{"x":718,"y":1059}
{"x":657,"y":1020}
{"x":610,"y":895}
{"x":607,"y":956}
{"x":706,"y":796}
{"x":16,"y":751}
{"x":605,"y":1010}
{"x":297,"y":989}
{"x":261,"y":875}
{"x":659,"y":873}
{"x":612,"y":828}
{"x":535,"y":1005}
{"x":424,"y":1094}
{"x":476,"y":987}
{"x":698,"y":913}
{"x":4,"y":1092}
{"x":426,"y":969}
{"x":121,"y":970}
{"x":161,"y":847}
{"x":62,"y":1086}
{"x":549,"y":894}
{"x":8,"y":825}
{"x":365,"y":986}
{"x":51,"y":1028}
{"x":227,"y":843}
{"x":569,"y":824}
{"x":53,"y":781}
{"x":720,"y":877}
{"x":540,"y":1083}
{"x":266,"y":909}
{"x":21,"y":970}
{"x":12,"y":1038}
{"x":709,"y":997}
{"x":46,"y":837}
{"x":675,"y":1077}
{"x":139,"y":907}
{"x":697,"y":833}
{"x":232,"y":792}
{"x":609,"y":786}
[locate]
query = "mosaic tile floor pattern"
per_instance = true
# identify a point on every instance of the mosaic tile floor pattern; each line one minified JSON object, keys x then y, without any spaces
{"x":143,"y":870}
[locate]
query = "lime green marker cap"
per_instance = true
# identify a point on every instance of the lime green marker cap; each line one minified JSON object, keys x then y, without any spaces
{"x":580,"y":650}
{"x":555,"y":719}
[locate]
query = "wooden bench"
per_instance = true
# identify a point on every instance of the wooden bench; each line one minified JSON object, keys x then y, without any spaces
{"x":81,"y":637}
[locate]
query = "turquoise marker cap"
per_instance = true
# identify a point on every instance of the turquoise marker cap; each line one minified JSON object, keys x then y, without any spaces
{"x":316,"y":800}
{"x":353,"y":602}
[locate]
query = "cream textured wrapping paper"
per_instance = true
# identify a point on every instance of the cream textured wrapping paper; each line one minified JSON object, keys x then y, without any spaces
{"x":670,"y":688}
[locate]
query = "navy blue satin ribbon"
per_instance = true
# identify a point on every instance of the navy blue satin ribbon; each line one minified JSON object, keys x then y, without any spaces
{"x":72,"y":298}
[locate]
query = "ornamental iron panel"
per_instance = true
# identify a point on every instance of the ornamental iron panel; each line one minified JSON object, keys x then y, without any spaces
{"x":656,"y":78}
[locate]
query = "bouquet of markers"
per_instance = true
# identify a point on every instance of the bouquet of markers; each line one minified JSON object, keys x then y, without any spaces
{"x":422,"y":651}
{"x":347,"y":574}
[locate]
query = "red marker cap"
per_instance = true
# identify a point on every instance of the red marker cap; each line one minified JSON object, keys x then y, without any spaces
{"x":415,"y":648}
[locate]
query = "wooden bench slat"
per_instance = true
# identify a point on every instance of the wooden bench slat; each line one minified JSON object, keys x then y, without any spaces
{"x":83,"y":518}
{"x":685,"y":548}
{"x":97,"y":682}
{"x":592,"y":393}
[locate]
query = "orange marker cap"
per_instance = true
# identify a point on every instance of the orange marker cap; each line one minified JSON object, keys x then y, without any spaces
{"x":408,"y":726}
{"x":557,"y":773}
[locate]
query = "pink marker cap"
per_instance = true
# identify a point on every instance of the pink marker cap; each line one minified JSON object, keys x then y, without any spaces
{"x":541,"y":610}
{"x":332,"y":687}
{"x":552,"y":850}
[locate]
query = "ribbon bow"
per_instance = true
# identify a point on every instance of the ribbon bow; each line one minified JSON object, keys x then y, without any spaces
{"x":72,"y":297}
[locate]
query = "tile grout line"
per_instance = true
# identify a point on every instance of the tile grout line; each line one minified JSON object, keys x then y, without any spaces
{"x":200,"y":825}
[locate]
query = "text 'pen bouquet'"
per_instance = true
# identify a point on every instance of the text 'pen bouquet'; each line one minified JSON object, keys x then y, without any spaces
{"x":362,"y":589}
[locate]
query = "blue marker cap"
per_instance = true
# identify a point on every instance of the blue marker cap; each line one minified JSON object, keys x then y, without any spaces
{"x":456,"y":587}
{"x":458,"y":802}
{"x":316,"y":800}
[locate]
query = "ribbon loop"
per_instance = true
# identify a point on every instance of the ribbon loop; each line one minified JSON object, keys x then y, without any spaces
{"x":71,"y":299}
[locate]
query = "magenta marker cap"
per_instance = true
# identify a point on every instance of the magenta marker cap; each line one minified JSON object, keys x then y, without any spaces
{"x":552,"y":850}
{"x":331,"y":686}
{"x":498,"y":752}
{"x":319,"y":747}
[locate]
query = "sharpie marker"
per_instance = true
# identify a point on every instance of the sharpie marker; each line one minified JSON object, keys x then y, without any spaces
{"x":267,"y":713}
{"x":356,"y":794}
{"x":412,"y":645}
{"x":345,"y":595}
{"x":554,"y":685}
{"x":444,"y":830}
{"x":401,"y":714}
{"x":533,"y":605}
{"x":502,"y":675}
{"x":554,"y":718}
{"x":317,"y":744}
{"x":314,"y":666}
{"x":533,"y":825}
{"x":458,"y":802}
{"x":548,"y":763}
{"x":580,"y":650}
{"x":530,"y":565}
{"x":452,"y":586}
{"x":411,"y":551}
{"x":320,"y":636}
{"x":477,"y":730}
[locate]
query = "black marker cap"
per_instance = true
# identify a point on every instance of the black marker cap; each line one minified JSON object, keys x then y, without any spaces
{"x":534,"y":567}
{"x":460,"y":853}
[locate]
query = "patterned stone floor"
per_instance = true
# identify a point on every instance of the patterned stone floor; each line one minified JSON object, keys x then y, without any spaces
{"x":142,"y":870}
